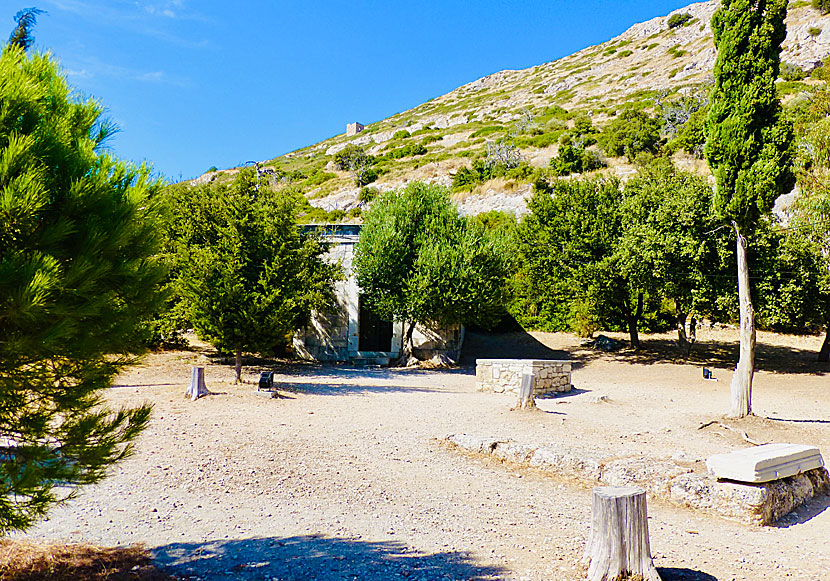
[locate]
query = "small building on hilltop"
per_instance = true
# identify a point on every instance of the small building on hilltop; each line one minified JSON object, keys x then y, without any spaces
{"x":351,"y":333}
{"x":354,"y":128}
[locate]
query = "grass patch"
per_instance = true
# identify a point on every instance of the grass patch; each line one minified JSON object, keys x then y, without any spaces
{"x":23,"y":560}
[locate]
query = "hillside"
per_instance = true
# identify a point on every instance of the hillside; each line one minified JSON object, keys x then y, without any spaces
{"x":650,"y":64}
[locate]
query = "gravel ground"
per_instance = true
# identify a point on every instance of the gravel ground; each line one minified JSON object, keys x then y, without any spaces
{"x":344,"y":476}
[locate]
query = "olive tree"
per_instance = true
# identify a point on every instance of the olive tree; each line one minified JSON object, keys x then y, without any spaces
{"x":419,"y":261}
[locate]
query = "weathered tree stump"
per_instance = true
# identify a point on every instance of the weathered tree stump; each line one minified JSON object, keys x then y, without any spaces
{"x":618,"y":544}
{"x":197,"y":387}
{"x":526,"y":397}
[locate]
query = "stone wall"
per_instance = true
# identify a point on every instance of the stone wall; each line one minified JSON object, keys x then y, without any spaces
{"x":505,"y":375}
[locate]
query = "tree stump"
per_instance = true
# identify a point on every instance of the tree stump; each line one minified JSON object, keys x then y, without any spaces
{"x":526,"y":398}
{"x":197,"y":386}
{"x":618,"y":544}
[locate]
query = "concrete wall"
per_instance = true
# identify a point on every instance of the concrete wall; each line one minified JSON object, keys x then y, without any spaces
{"x":505,"y":375}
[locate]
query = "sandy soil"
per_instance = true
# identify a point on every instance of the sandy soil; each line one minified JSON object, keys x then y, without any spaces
{"x":344,"y":477}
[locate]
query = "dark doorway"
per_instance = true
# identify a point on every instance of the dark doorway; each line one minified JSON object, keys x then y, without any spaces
{"x":374,"y":334}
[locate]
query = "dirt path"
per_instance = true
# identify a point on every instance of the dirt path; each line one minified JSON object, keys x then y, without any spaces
{"x":344,"y":478}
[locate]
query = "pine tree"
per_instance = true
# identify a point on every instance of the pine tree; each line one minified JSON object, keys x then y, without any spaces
{"x":21,"y":36}
{"x":248,"y":276}
{"x":749,"y":146}
{"x":76,"y":277}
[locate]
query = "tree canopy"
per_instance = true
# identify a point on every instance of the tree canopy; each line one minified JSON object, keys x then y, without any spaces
{"x":77,"y":275}
{"x":419,"y":261}
{"x":247,"y":275}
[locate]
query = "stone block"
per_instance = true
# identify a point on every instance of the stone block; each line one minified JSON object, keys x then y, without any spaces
{"x":765,"y":463}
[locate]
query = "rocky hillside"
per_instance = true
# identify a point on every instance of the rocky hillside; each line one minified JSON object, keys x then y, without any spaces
{"x":653,"y":62}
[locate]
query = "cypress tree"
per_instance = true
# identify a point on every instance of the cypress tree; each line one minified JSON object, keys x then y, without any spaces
{"x":77,"y":233}
{"x":749,"y":146}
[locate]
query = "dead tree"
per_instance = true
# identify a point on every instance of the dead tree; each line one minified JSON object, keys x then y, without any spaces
{"x":618,"y":544}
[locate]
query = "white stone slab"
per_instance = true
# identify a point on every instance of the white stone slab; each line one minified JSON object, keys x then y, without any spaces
{"x":765,"y":463}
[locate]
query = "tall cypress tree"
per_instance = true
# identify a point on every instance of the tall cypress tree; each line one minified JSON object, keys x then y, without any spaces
{"x":77,"y":236}
{"x":749,"y":147}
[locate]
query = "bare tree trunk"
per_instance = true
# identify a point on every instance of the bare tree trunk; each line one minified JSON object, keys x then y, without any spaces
{"x":618,"y":545}
{"x":692,"y":332}
{"x":824,"y":354}
{"x":682,"y":342}
{"x":238,"y":366}
{"x":406,"y":345}
{"x":633,"y":322}
{"x":741,"y":387}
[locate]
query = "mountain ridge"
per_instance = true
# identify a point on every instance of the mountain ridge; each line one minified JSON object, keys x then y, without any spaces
{"x":648,"y":62}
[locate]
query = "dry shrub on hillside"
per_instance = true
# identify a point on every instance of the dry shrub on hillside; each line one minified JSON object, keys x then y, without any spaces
{"x":27,"y":561}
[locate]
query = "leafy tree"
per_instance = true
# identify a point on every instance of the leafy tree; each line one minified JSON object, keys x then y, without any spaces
{"x":631,"y":132}
{"x":420,"y":262}
{"x":77,"y":275}
{"x":571,"y":269}
{"x":21,"y":36}
{"x":749,"y":146}
{"x":679,"y":19}
{"x":355,"y":159}
{"x":670,"y":242}
{"x":248,"y":275}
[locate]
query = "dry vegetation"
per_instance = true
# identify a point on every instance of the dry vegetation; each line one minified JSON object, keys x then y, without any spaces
{"x":28,"y":561}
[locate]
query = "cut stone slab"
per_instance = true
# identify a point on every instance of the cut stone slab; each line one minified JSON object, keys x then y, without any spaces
{"x":765,"y":463}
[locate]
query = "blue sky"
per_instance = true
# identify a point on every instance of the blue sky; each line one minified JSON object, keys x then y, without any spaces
{"x":196,"y":84}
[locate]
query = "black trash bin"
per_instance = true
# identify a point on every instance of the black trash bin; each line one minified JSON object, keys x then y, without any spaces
{"x":266,"y":380}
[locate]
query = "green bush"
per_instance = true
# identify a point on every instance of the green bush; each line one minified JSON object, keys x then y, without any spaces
{"x":402,"y":134}
{"x":791,"y":72}
{"x":572,"y":159}
{"x":813,"y":31}
{"x":367,"y":194}
{"x":678,"y":20}
{"x":823,"y":5}
{"x":488,"y":130}
{"x":631,"y":132}
{"x":431,"y":139}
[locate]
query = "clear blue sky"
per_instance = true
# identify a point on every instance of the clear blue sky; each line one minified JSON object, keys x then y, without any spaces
{"x":194,"y":84}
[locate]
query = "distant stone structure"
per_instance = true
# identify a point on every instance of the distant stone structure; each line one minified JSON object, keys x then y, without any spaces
{"x":354,"y":128}
{"x":352,"y":333}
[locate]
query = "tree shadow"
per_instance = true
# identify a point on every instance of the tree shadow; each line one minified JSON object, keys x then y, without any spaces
{"x":712,"y":353}
{"x":675,"y":574}
{"x":523,"y":345}
{"x":315,"y":557}
{"x":348,"y":388}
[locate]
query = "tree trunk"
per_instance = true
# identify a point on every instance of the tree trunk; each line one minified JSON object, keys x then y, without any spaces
{"x":741,"y":387}
{"x":618,"y":544}
{"x":682,"y":342}
{"x":692,"y":332}
{"x":824,"y":354}
{"x":197,"y":387}
{"x":238,"y":366}
{"x":406,"y":345}
{"x":527,"y":399}
{"x":633,"y":322}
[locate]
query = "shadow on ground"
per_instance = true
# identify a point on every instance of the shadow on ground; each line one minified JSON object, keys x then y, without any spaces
{"x":347,"y":388}
{"x":315,"y":557}
{"x":672,"y":574}
{"x":512,"y":345}
{"x":722,"y":355}
{"x":806,"y":512}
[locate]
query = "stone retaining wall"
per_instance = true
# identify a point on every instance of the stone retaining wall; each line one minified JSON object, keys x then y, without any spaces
{"x":505,"y":375}
{"x":759,"y":504}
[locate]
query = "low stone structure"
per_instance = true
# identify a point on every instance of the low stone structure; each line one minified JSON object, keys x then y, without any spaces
{"x":505,"y":375}
{"x":759,"y":504}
